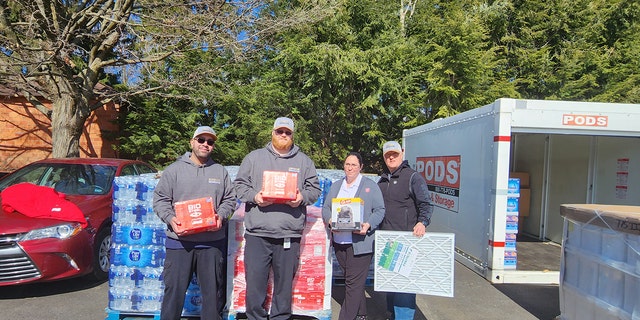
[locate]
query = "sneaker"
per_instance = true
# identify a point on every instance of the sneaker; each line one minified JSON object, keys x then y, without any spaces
{"x":361,"y":317}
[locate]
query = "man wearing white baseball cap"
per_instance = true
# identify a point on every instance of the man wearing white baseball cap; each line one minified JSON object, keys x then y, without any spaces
{"x":273,"y":230}
{"x":408,"y":207}
{"x":193,"y":176}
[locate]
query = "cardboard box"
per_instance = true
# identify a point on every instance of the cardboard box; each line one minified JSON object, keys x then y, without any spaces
{"x":197,"y":215}
{"x":510,"y":241}
{"x":510,"y":259}
{"x":513,"y":206}
{"x":513,"y":190}
{"x":523,"y":176}
{"x":512,"y":224}
{"x":620,"y":218}
{"x":279,"y":186}
{"x":346,"y":213}
{"x":524,"y":202}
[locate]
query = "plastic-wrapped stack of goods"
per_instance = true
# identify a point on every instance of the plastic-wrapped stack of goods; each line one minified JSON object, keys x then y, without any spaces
{"x":600,"y":270}
{"x":325,"y":185}
{"x":137,"y":250}
{"x":513,"y":197}
{"x":193,"y":299}
{"x":312,"y":284}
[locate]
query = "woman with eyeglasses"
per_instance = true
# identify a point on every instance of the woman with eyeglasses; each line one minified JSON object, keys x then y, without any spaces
{"x":354,"y":249}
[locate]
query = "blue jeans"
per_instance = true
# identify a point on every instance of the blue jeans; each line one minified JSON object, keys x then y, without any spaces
{"x":402,"y":306}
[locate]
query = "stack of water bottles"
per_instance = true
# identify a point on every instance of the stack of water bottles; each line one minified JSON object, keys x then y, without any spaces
{"x":138,"y":251}
{"x":325,"y":185}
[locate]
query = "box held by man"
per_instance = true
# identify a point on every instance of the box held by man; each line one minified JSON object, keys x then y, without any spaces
{"x":279,"y":186}
{"x":195,"y":216}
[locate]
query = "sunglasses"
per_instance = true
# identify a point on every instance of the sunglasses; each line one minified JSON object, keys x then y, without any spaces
{"x":209,"y":141}
{"x":287,"y":132}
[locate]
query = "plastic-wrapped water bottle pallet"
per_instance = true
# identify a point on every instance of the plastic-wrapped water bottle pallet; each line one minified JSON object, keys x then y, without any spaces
{"x":320,"y":315}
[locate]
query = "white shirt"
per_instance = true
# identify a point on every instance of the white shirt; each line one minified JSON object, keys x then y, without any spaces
{"x":345,"y":237}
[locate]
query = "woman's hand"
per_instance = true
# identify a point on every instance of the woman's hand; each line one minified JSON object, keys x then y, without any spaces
{"x":364,"y":227}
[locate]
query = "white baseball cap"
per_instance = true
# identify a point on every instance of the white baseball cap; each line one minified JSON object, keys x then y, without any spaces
{"x":391,"y":146}
{"x":205,"y":130}
{"x":283,"y":122}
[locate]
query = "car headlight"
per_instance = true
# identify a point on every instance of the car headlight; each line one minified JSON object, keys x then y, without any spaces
{"x":62,"y":231}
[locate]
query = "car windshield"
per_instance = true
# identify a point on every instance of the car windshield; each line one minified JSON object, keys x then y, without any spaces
{"x":72,"y":179}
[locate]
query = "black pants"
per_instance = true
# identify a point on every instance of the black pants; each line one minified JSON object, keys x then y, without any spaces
{"x":356,"y":270}
{"x":180,"y":264}
{"x":262,"y":254}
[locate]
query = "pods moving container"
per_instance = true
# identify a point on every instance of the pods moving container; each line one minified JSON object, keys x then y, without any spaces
{"x":498,"y":175}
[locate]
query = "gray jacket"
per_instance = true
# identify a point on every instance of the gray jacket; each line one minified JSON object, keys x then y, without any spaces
{"x":184,"y":180}
{"x":276,"y":220}
{"x":371,"y":195}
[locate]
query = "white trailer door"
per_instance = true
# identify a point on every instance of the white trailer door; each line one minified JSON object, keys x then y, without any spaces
{"x":617,"y":171}
{"x":567,"y":179}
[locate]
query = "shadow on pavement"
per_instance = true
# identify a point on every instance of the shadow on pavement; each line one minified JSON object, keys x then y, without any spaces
{"x":528,"y":297}
{"x":47,"y":288}
{"x":376,"y":303}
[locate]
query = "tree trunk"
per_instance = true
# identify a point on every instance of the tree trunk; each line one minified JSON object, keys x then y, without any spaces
{"x":70,"y":111}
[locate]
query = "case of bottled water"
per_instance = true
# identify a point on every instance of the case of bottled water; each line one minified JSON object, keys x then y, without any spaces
{"x":120,"y":299}
{"x":193,"y":299}
{"x":149,"y":300}
{"x":138,"y":233}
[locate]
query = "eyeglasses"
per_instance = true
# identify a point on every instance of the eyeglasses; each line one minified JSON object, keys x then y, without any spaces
{"x":209,"y":141}
{"x":287,"y":132}
{"x":351,"y":165}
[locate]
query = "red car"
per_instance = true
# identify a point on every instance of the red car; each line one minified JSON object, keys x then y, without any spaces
{"x":42,"y":249}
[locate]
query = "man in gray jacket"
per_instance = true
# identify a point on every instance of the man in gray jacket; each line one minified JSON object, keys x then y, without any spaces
{"x":195,"y":175}
{"x":273,"y":230}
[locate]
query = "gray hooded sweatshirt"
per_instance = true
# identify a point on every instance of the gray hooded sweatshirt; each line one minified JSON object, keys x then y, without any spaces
{"x":185,"y":180}
{"x":276,"y":220}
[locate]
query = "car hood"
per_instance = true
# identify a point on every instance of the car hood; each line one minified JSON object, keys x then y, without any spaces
{"x":15,"y":222}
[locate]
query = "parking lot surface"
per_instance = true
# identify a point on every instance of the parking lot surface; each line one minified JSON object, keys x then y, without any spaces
{"x":474,"y":298}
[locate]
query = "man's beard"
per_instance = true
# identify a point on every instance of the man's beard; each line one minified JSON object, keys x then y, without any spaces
{"x":281,"y":144}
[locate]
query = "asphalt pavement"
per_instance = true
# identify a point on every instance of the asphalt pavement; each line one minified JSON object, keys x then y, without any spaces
{"x":474,"y":298}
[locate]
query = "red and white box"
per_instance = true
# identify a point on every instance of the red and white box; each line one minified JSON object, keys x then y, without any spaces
{"x":197,"y":215}
{"x":279,"y":186}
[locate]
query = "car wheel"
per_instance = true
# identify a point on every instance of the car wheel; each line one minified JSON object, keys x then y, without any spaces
{"x":101,"y":254}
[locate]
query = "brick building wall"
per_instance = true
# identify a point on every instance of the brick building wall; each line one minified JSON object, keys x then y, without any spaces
{"x":25,"y":133}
